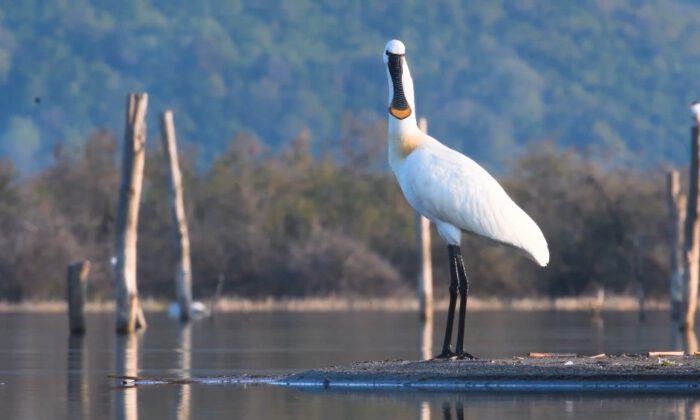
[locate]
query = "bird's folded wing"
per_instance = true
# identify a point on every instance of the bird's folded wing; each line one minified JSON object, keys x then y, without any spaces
{"x":446,"y":186}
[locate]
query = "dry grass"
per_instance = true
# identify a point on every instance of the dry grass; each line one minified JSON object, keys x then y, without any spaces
{"x":327,"y":304}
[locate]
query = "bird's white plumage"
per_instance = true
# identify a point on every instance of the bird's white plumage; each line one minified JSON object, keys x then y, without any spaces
{"x":459,"y":195}
{"x":455,"y":192}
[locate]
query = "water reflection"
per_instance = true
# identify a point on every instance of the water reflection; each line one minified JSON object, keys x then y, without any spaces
{"x":34,"y":385}
{"x":502,"y":405}
{"x":127,"y":365}
{"x":691,"y":410}
{"x":597,"y":322}
{"x":447,"y":411}
{"x":423,"y":411}
{"x":77,"y":385}
{"x":184,"y":362}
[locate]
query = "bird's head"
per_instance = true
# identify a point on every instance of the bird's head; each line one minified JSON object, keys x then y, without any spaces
{"x":695,"y":109}
{"x":401,"y":100}
{"x":394,"y":47}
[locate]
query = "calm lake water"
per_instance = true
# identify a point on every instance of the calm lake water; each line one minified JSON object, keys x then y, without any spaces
{"x":46,"y":375}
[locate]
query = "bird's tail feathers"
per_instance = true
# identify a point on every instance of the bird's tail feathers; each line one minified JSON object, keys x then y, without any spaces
{"x":535,"y":246}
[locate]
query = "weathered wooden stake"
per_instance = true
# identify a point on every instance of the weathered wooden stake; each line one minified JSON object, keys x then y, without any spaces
{"x":425,"y":262}
{"x":638,"y":271}
{"x":425,"y":350}
{"x":77,"y":290}
{"x":690,"y":342}
{"x":676,"y":209}
{"x":183,"y":272}
{"x":214,"y":302}
{"x":691,"y":249}
{"x":598,"y":302}
{"x":129,"y":313}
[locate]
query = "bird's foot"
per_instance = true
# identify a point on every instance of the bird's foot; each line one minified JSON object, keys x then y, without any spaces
{"x":446,"y":354}
{"x":464,"y":355}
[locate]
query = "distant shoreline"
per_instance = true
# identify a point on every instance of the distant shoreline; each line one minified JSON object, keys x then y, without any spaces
{"x":338,"y":304}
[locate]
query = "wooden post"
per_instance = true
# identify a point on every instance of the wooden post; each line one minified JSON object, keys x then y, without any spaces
{"x":214,"y":303}
{"x":692,"y":240}
{"x":639,"y":277}
{"x":77,"y":290}
{"x":183,"y":272}
{"x":598,"y":302}
{"x":676,"y":202}
{"x":690,"y":342}
{"x":129,"y":313}
{"x":425,"y":263}
{"x":425,"y":346}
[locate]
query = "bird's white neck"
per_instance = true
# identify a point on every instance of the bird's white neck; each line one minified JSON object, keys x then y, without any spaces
{"x":406,"y":125}
{"x":403,"y":138}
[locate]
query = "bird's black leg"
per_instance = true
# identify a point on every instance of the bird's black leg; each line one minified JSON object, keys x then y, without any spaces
{"x":446,"y":350}
{"x":459,"y":408}
{"x":463,"y":291}
{"x":446,"y":411}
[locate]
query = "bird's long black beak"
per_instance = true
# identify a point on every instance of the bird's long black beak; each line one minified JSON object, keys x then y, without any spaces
{"x":399,"y":107}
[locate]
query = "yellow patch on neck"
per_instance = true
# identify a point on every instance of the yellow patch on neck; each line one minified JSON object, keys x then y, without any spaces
{"x":407,"y":143}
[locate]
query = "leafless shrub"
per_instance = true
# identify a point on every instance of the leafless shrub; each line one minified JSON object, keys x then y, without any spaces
{"x":328,"y":262}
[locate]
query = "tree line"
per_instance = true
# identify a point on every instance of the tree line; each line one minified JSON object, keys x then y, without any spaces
{"x":307,"y":220}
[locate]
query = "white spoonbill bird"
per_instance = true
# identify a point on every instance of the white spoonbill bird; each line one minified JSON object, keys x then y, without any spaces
{"x":451,"y":190}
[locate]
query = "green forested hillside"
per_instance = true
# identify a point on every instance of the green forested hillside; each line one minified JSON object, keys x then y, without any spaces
{"x":490,"y":75}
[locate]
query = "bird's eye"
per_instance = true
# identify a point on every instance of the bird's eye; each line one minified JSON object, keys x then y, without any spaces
{"x":386,"y":52}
